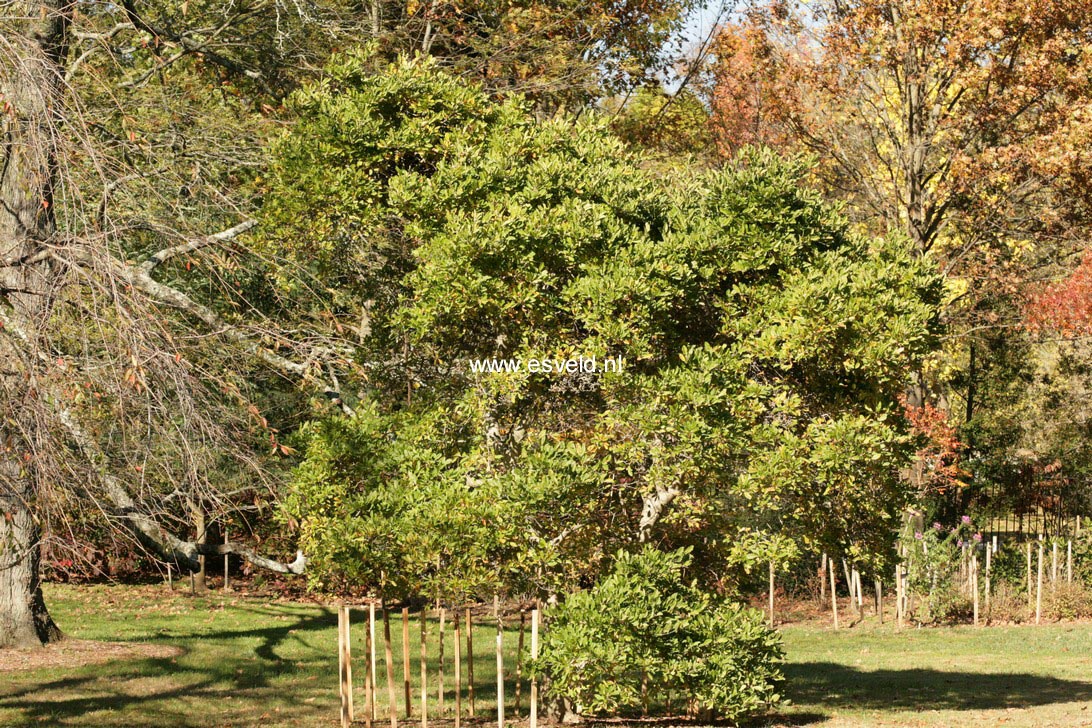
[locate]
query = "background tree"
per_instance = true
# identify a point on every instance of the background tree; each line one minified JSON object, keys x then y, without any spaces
{"x":127,"y":382}
{"x":957,"y":124}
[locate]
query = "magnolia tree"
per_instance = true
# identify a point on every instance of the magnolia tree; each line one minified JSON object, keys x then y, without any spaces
{"x":149,"y":370}
{"x":762,"y":347}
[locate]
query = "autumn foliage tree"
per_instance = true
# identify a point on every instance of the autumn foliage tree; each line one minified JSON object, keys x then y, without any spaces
{"x":944,"y":121}
{"x":961,"y":126}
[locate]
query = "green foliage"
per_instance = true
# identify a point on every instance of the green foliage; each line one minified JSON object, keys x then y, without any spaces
{"x":933,"y":559}
{"x":1009,"y":565}
{"x":644,"y":622}
{"x":764,"y":344}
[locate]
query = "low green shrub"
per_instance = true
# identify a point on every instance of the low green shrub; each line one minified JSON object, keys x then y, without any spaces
{"x":1010,"y":566}
{"x":644,"y":628}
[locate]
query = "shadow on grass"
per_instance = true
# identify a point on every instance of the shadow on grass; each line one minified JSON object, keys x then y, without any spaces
{"x":164,"y":691}
{"x":831,"y":685}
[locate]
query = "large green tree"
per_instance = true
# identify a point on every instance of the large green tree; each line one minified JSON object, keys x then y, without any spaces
{"x":763,"y":346}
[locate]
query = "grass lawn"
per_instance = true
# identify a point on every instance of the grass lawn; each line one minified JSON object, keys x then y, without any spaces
{"x":229,"y":661}
{"x":960,"y":676}
{"x":232,"y":661}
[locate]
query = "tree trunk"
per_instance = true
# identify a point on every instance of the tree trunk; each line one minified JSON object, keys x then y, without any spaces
{"x":24,"y":620}
{"x":197,"y":509}
{"x":30,"y":109}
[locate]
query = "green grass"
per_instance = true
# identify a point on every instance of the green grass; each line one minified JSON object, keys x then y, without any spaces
{"x":242,"y":662}
{"x":247,"y":662}
{"x":961,"y":676}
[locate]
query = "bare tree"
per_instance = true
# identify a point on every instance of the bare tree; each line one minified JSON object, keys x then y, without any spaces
{"x":121,"y":391}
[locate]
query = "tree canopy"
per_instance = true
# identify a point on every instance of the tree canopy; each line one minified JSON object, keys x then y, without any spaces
{"x":764,"y":345}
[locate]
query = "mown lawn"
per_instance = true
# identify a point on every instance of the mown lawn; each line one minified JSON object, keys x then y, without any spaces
{"x":225,"y":660}
{"x":239,"y":662}
{"x":960,"y":676}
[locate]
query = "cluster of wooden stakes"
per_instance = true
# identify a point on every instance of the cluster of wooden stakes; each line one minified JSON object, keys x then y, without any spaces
{"x":345,"y":668}
{"x":970,"y":578}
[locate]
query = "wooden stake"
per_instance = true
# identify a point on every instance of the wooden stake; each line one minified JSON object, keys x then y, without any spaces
{"x":1039,"y":588}
{"x":369,"y":680}
{"x":170,"y":578}
{"x":392,"y":696}
{"x":406,"y":662}
{"x":500,"y":679}
{"x":1054,"y":562}
{"x":440,"y":675}
{"x":372,"y":648}
{"x":1069,"y":560}
{"x":974,"y":584}
{"x":823,"y":577}
{"x":771,"y":594}
{"x":534,"y":656}
{"x":227,"y":576}
{"x":833,"y":593}
{"x":879,"y":598}
{"x":496,"y":607}
{"x":345,"y":665}
{"x":989,"y":589}
{"x":458,"y":674}
{"x":519,"y":659}
{"x":341,"y":692}
{"x":470,"y":661}
{"x":898,"y":596}
{"x":424,"y":670}
{"x":1031,"y":585}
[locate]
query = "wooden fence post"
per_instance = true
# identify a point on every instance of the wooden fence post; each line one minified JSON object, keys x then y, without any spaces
{"x":534,"y":656}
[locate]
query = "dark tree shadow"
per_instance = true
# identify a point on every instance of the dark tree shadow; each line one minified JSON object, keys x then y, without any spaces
{"x":832,"y":685}
{"x":245,"y":673}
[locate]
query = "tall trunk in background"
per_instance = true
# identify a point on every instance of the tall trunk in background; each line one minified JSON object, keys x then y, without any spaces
{"x":30,"y":95}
